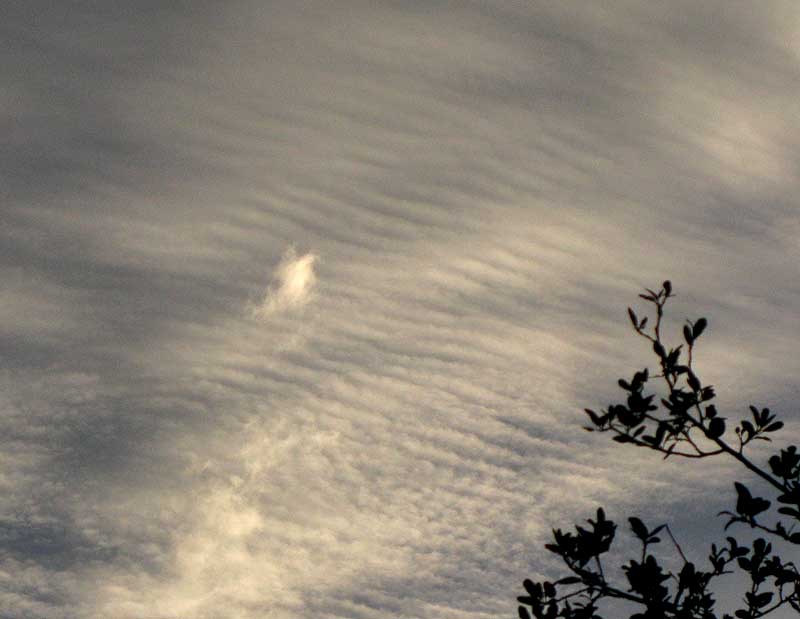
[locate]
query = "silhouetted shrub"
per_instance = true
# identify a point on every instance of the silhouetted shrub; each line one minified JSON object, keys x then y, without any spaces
{"x":685,"y":423}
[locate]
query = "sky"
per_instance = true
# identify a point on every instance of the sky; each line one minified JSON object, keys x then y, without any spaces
{"x":301,"y":301}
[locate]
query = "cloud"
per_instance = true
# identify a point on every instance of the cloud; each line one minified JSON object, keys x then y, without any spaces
{"x":292,"y":285}
{"x":490,"y":184}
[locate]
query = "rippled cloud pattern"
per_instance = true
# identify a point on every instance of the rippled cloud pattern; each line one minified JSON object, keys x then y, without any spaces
{"x":301,"y":301}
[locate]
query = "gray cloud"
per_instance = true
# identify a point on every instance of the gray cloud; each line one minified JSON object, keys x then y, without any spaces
{"x":487,"y":186}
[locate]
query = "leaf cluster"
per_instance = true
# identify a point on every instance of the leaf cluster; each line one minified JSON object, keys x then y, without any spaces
{"x":681,"y":422}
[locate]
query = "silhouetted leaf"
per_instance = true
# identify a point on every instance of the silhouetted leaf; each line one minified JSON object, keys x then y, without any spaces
{"x":634,"y":320}
{"x":699,"y":327}
{"x":530,"y":587}
{"x":716,"y":427}
{"x":746,"y":504}
{"x":638,"y":528}
{"x":762,"y":599}
{"x":744,"y":563}
{"x":601,"y":514}
{"x":789,"y":511}
{"x":742,"y":491}
{"x":569,"y":580}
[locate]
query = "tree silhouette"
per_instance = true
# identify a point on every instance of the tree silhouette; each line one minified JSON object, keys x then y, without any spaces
{"x":685,"y":423}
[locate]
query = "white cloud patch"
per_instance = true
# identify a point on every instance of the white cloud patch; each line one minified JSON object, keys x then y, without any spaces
{"x":292,"y":285}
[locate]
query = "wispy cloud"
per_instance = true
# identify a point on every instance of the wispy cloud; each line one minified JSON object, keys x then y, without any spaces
{"x":292,"y":285}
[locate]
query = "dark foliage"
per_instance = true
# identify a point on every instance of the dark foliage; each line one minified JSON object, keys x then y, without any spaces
{"x":684,"y":423}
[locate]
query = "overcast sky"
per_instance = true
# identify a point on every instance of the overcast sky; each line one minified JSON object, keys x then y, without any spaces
{"x":301,"y":301}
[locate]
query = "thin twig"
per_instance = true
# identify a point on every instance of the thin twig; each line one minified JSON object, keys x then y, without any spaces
{"x":677,"y":545}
